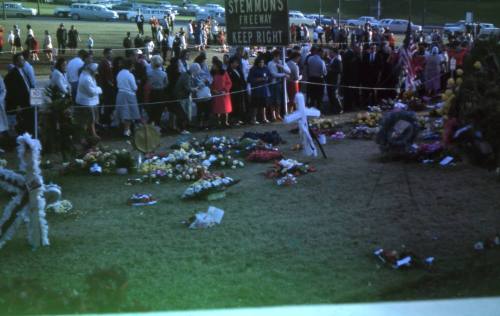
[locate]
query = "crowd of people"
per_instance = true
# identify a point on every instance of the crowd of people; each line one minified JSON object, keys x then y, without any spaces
{"x":150,"y":84}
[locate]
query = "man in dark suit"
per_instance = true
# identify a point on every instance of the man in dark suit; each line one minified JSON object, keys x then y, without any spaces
{"x":17,"y":100}
{"x":372,"y":65}
{"x":105,"y":80}
{"x":238,"y":91}
{"x":62,"y":38}
{"x":351,"y":61}
{"x":333,"y":78}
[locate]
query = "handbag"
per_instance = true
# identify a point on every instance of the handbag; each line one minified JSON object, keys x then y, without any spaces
{"x":203,"y":94}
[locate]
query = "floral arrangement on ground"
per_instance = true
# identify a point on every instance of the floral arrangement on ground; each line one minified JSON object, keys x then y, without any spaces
{"x":289,"y":166}
{"x":209,"y":186}
{"x":100,"y":161}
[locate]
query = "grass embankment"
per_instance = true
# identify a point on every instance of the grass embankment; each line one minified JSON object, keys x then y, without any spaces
{"x":310,"y":243}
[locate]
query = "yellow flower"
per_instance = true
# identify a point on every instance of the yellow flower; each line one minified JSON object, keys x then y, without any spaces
{"x":460,"y":72}
{"x":478,"y":65}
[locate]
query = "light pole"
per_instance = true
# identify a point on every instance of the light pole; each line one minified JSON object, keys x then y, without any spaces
{"x":38,"y":7}
{"x":424,"y":12}
{"x":338,"y":13}
{"x":379,"y":9}
{"x":320,"y":10}
{"x":4,"y":15}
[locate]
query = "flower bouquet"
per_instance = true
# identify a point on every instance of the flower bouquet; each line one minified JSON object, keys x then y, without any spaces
{"x":180,"y":165}
{"x":211,"y":187}
{"x":264,"y":155}
{"x":141,"y":200}
{"x":404,"y":259}
{"x":272,"y":138}
{"x":226,"y":161}
{"x":99,"y":161}
{"x":287,"y":180}
{"x":370,"y":119}
{"x":289,"y":166}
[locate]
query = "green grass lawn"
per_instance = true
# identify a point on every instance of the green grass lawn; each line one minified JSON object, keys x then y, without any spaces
{"x":436,"y":11}
{"x":310,"y":243}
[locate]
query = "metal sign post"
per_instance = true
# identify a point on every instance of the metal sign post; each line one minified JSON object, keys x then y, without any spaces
{"x":257,"y":23}
{"x":285,"y":95}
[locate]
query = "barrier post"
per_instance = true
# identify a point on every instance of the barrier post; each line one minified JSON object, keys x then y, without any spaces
{"x":285,"y":96}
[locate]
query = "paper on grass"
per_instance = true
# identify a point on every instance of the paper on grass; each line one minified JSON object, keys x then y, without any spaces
{"x":207,"y":219}
{"x":446,"y":161}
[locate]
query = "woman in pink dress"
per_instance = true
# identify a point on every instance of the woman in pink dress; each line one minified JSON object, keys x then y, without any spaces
{"x":221,"y":86}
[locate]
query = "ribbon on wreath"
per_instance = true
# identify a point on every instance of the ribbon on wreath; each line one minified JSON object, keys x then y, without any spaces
{"x":28,"y":201}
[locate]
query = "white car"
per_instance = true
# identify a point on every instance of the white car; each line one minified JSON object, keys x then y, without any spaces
{"x":400,"y":26}
{"x":191,"y":9}
{"x":362,"y":21}
{"x":210,"y":7}
{"x":385,"y":22}
{"x":16,"y":9}
{"x":458,"y":27}
{"x":488,"y":29}
{"x":297,"y":18}
{"x":148,"y":13}
{"x":87,"y":11}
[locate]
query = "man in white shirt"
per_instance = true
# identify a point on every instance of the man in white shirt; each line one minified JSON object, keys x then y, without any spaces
{"x":73,"y":72}
{"x":29,"y":71}
{"x":279,"y":72}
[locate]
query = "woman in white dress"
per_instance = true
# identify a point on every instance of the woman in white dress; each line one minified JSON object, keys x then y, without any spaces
{"x":87,"y":99}
{"x":47,"y":46}
{"x":126,"y":99}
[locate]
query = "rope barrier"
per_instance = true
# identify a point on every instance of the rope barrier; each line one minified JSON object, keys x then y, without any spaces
{"x":230,"y":93}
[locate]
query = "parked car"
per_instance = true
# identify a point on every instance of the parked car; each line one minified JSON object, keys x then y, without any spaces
{"x":86,"y":11}
{"x":170,"y":8}
{"x":191,"y":9}
{"x":325,"y":20}
{"x":488,"y":29}
{"x":210,"y":7}
{"x":400,"y":26}
{"x":220,"y":17}
{"x":122,"y":10}
{"x":362,"y":21}
{"x":457,"y":27}
{"x":16,"y":9}
{"x":62,"y":12}
{"x":385,"y":22}
{"x":148,"y":13}
{"x":297,"y":18}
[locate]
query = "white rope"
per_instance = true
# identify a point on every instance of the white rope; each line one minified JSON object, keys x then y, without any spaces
{"x":230,"y":93}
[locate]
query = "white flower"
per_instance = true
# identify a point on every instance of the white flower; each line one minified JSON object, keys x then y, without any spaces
{"x":233,"y":167}
{"x":222,"y":163}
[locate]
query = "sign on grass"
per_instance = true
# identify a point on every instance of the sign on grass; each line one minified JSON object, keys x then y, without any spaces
{"x":257,"y":22}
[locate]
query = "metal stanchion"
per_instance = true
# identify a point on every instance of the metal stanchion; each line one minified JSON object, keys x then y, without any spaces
{"x":285,"y":96}
{"x":36,"y":121}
